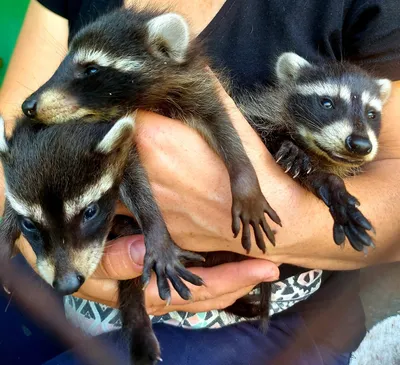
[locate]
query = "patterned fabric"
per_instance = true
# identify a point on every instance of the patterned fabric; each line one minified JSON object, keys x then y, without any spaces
{"x":94,"y":318}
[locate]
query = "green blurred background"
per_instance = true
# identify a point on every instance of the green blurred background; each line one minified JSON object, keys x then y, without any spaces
{"x":11,"y":17}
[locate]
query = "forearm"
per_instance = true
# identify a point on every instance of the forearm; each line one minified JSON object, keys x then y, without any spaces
{"x":41,"y":45}
{"x":316,"y":248}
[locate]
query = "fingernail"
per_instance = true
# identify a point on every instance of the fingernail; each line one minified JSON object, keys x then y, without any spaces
{"x":137,"y":251}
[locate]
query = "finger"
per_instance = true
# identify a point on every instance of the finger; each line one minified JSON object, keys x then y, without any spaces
{"x":189,"y":276}
{"x":178,"y":284}
{"x":164,"y":290}
{"x":218,"y":303}
{"x":246,"y":238}
{"x":220,"y":280}
{"x":122,"y":259}
{"x":235,"y":224}
{"x":268,"y":231}
{"x":259,"y":236}
{"x":338,"y":234}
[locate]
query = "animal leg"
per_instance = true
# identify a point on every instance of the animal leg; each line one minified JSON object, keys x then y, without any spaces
{"x":144,"y":347}
{"x":162,"y":254}
{"x":348,"y":220}
{"x":248,"y":202}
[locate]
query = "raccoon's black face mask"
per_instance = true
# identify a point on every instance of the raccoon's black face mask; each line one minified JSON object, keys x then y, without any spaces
{"x":115,"y":65}
{"x":337,"y":107}
{"x":62,"y":186}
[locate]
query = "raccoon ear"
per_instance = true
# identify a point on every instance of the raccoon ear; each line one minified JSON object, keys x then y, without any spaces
{"x":4,"y":147}
{"x":385,"y":89}
{"x":288,"y":66}
{"x":120,"y":132}
{"x":169,"y":36}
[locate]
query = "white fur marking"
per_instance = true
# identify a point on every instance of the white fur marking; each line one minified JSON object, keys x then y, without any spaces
{"x":104,"y":59}
{"x":333,"y":136}
{"x":86,"y":260}
{"x":92,"y":194}
{"x":368,"y":100}
{"x":29,"y":210}
{"x":375,"y":104}
{"x":108,"y":143}
{"x":3,"y":142}
{"x":46,"y":270}
{"x":374,"y":143}
{"x":326,"y":89}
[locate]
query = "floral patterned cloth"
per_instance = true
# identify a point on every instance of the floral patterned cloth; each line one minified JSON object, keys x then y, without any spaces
{"x":94,"y":318}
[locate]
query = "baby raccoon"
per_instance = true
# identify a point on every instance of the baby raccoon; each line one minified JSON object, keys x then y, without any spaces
{"x":62,"y":185}
{"x":322,"y":122}
{"x":130,"y":59}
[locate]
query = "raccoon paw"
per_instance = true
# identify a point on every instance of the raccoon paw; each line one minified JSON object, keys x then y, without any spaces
{"x":250,"y":211}
{"x":166,"y":262}
{"x":293,"y":160}
{"x":349,"y":221}
{"x":145,"y":349}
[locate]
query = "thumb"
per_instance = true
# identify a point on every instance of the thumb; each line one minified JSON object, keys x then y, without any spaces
{"x":122,"y":259}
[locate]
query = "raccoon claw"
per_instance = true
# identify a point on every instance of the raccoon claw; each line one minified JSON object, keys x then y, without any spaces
{"x":167,"y":266}
{"x":145,"y":349}
{"x":251,"y":213}
{"x":293,"y":159}
{"x":349,"y":222}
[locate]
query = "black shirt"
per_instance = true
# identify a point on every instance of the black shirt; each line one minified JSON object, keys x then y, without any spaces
{"x":246,"y":36}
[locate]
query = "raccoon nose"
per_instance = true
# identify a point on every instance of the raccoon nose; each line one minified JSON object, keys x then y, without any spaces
{"x":29,"y":107}
{"x":358,"y":145}
{"x":69,"y":283}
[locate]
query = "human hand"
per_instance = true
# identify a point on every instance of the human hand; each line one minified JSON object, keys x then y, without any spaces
{"x":123,"y":259}
{"x":224,"y":284}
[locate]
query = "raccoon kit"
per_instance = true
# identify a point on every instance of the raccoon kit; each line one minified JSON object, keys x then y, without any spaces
{"x":322,"y":122}
{"x":62,"y":185}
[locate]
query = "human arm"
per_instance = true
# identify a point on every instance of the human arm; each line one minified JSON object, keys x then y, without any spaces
{"x":173,"y":158}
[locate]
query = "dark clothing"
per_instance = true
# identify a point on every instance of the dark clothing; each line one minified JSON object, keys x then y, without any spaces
{"x":320,"y":331}
{"x":246,"y":36}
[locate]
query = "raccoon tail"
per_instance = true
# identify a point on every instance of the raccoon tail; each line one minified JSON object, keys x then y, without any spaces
{"x":254,"y":306}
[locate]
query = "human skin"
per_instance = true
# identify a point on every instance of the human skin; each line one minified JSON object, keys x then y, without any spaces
{"x":191,"y":186}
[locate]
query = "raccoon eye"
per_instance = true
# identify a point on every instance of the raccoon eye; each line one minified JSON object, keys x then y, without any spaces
{"x":90,"y":212}
{"x":90,"y":70}
{"x":326,"y":103}
{"x":28,"y":225}
{"x":371,"y":114}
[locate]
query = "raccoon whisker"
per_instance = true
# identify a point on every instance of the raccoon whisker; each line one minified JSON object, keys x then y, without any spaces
{"x":59,"y":47}
{"x":26,"y":87}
